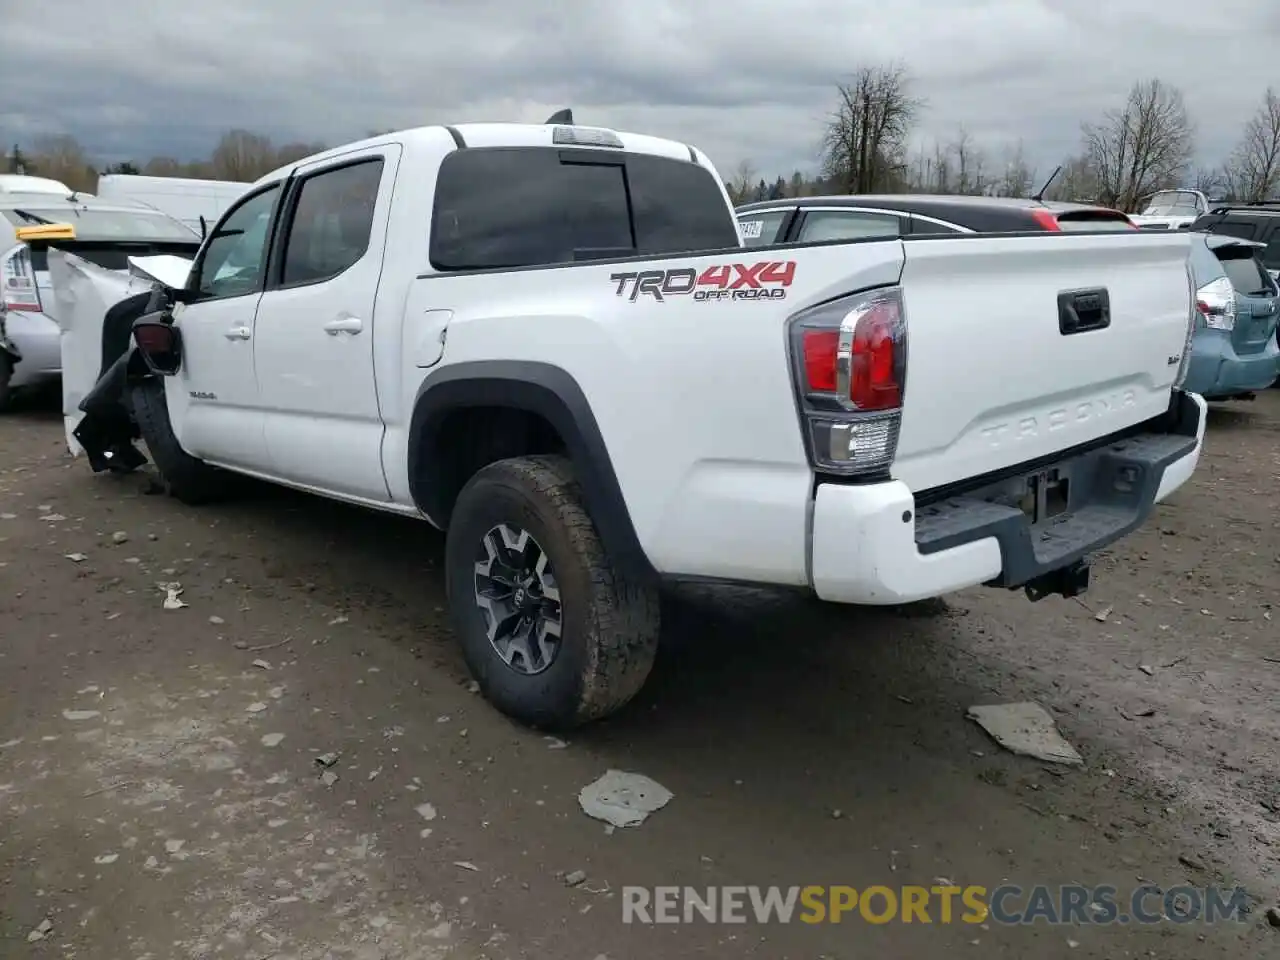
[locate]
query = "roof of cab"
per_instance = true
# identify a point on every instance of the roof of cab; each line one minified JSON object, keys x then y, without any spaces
{"x":498,"y":135}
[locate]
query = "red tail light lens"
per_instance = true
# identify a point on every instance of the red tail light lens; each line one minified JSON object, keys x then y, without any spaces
{"x":861,"y":361}
{"x":874,"y":382}
{"x":820,"y":349}
{"x":1046,"y":220}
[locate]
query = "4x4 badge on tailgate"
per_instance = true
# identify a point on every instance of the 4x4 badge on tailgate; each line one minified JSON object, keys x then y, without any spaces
{"x":763,"y":280}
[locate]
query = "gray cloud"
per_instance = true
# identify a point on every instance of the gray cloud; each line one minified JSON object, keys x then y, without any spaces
{"x":743,"y":79}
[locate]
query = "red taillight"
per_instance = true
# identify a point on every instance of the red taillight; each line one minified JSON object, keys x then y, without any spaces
{"x":849,"y":361}
{"x":861,"y":361}
{"x":874,"y":367}
{"x":1046,"y":220}
{"x":820,"y":350}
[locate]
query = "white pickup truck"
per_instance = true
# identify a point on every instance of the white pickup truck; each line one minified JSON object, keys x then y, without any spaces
{"x":548,"y":341}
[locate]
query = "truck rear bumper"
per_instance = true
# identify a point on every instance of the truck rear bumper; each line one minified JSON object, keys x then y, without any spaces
{"x":871,"y":544}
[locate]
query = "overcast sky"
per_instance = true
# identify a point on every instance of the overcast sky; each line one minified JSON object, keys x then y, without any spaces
{"x":742,"y":79}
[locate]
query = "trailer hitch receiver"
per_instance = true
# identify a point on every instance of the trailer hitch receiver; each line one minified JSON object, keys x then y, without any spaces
{"x":1069,"y":581}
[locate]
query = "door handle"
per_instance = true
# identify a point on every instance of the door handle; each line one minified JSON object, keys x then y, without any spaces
{"x":344,"y":325}
{"x":238,"y":333}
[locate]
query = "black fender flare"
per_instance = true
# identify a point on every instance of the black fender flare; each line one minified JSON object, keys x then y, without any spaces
{"x":551,"y":393}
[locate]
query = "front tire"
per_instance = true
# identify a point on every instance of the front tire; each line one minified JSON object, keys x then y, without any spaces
{"x":183,"y":476}
{"x":554,"y":635}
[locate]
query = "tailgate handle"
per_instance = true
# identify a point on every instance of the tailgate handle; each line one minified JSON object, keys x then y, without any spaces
{"x":1083,"y":310}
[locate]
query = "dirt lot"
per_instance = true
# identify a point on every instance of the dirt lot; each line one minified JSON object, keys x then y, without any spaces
{"x":160,"y":796}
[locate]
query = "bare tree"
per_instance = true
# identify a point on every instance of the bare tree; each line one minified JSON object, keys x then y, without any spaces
{"x":1077,"y":181}
{"x":291,"y":152}
{"x":1212,"y":183}
{"x":969,"y":162}
{"x":1253,"y":171}
{"x":743,"y":182}
{"x":1143,"y":147}
{"x":1017,"y":179}
{"x":864,"y":145}
{"x":62,"y":158}
{"x":162,"y":167}
{"x":241,"y":155}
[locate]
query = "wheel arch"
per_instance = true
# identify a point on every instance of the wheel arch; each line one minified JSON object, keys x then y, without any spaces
{"x":541,"y":390}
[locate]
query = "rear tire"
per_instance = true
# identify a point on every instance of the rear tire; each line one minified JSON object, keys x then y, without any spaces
{"x":526,"y":514}
{"x":183,"y":476}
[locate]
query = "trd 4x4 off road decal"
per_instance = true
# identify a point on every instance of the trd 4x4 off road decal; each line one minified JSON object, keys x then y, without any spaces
{"x":763,"y":280}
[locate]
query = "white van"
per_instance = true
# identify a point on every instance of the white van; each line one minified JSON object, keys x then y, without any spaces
{"x":182,"y":198}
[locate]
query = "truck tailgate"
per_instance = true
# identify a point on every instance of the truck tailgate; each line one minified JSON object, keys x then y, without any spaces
{"x":1010,"y":358}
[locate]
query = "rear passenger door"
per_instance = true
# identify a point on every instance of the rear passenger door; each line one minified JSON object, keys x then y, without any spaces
{"x":849,"y":223}
{"x":314,"y":338}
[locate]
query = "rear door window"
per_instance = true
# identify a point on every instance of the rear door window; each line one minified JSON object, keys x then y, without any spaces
{"x":848,"y":225}
{"x":1244,"y":229}
{"x":760,"y":228}
{"x":1244,"y":272}
{"x":509,"y":207}
{"x":332,"y":222}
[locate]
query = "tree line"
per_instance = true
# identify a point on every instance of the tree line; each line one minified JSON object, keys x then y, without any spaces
{"x":239,"y":155}
{"x":1144,"y":144}
{"x":869,"y":144}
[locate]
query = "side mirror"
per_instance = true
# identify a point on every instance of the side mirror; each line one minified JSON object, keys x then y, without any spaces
{"x":160,"y":344}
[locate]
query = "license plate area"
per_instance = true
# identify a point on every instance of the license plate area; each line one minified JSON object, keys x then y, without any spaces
{"x":1046,"y":495}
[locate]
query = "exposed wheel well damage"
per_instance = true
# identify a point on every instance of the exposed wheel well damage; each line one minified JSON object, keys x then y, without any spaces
{"x":470,"y":415}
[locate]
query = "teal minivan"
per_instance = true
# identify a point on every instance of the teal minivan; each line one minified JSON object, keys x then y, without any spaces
{"x":1233,"y":351}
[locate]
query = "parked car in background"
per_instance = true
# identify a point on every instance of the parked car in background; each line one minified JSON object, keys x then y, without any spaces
{"x":1248,"y":221}
{"x":102,"y":232}
{"x":182,"y":198}
{"x":1233,"y":349}
{"x":21,"y":183}
{"x":851,"y":217}
{"x":1171,"y":210}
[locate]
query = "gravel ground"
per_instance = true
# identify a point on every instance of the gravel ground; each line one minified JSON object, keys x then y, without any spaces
{"x":160,"y":796}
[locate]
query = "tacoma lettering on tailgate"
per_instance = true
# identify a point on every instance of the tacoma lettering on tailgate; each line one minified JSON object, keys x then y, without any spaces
{"x":763,"y":280}
{"x":1026,"y":428}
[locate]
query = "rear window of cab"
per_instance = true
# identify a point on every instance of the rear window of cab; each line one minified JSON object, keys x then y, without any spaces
{"x":512,"y":207}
